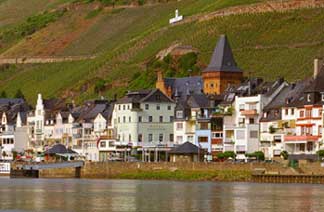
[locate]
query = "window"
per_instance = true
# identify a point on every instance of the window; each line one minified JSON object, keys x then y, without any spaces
{"x":118,"y":119}
{"x":251,"y":120}
{"x":204,"y":126}
{"x":217,"y":135}
{"x":147,"y":106}
{"x":322,"y":97}
{"x":179,"y":126}
{"x":179,"y":139}
{"x":241,"y":107}
{"x":309,"y":113}
{"x":157,"y":107}
{"x":103,"y":144}
{"x":171,"y":118}
{"x":286,"y":112}
{"x":111,"y":143}
{"x":241,"y":121}
{"x":130,"y":119}
{"x":179,"y":114}
{"x":129,"y":137}
{"x":292,"y":111}
{"x":124,"y":119}
{"x":240,"y":134}
{"x":127,"y":107}
{"x":119,"y":107}
{"x":308,"y":97}
{"x":301,"y":114}
{"x":140,"y":137}
{"x":160,"y":137}
{"x":124,"y":107}
{"x":171,"y":137}
{"x":169,"y":107}
{"x":202,"y":139}
{"x":150,"y":119}
{"x":161,"y":118}
{"x":211,"y":85}
{"x":140,"y":119}
{"x":150,"y":137}
{"x":254,"y":134}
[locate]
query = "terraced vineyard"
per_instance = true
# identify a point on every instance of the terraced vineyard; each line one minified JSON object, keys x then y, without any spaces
{"x":125,"y":39}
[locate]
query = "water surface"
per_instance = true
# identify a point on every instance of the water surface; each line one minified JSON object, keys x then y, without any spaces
{"x":132,"y":195}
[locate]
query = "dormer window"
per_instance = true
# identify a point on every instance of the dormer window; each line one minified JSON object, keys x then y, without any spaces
{"x":308,"y":97}
{"x":179,"y":114}
{"x":322,"y":94}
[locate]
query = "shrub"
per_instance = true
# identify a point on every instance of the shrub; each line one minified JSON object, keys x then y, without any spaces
{"x":284,"y":154}
{"x":141,"y":2}
{"x":226,"y":155}
{"x":99,"y":86}
{"x":19,"y":94}
{"x":188,"y":61}
{"x":272,"y":129}
{"x":3,"y":94}
{"x":258,"y":155}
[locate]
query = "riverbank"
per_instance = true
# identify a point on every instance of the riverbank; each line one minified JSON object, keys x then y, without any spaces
{"x":227,"y":172}
{"x":168,"y":171}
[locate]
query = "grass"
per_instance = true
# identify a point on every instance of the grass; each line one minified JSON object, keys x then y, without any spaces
{"x":28,"y":27}
{"x":268,"y":45}
{"x":197,"y":175}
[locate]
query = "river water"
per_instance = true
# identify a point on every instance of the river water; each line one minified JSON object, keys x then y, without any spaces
{"x":135,"y":195}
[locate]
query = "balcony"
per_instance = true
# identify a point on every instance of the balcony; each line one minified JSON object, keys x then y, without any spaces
{"x":229,"y":141}
{"x":300,"y":138}
{"x":217,"y":140}
{"x":250,"y":112}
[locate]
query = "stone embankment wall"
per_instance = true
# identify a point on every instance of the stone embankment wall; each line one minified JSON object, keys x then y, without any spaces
{"x":27,"y":60}
{"x":111,"y":170}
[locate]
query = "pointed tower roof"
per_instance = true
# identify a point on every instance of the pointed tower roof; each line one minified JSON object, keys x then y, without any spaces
{"x":222,"y":58}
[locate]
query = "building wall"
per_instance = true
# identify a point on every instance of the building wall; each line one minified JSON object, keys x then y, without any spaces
{"x":215,"y":82}
{"x":129,"y":130}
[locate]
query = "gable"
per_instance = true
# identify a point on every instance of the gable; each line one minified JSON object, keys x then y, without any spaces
{"x":156,"y":96}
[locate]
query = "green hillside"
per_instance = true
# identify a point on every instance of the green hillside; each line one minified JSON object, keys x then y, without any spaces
{"x":126,"y":39}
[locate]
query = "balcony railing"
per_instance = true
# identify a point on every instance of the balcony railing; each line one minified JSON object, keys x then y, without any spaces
{"x":289,"y":138}
{"x":251,"y":112}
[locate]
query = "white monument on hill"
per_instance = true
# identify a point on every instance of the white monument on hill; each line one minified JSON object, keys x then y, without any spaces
{"x":177,"y":18}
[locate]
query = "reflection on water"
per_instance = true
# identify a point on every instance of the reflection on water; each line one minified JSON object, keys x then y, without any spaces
{"x":131,"y":195}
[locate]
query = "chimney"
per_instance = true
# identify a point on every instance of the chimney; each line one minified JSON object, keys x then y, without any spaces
{"x":317,"y":66}
{"x":159,"y":76}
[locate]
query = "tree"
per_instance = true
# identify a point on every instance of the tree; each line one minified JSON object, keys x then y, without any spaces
{"x":19,"y":94}
{"x":272,"y":129}
{"x":226,"y":155}
{"x":99,"y":86}
{"x":4,"y":154}
{"x":3,"y":94}
{"x":258,"y":155}
{"x":284,"y":154}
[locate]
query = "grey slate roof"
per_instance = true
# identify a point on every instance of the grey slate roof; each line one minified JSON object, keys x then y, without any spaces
{"x":184,"y":85}
{"x":185,"y":148}
{"x":250,"y":87}
{"x":222,"y":58}
{"x":198,"y":101}
{"x":144,"y":96}
{"x":318,"y":84}
{"x":59,"y":149}
{"x":12,"y":109}
{"x":7,"y":101}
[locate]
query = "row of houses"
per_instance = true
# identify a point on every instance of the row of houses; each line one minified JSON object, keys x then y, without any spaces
{"x":218,"y":111}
